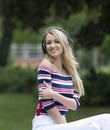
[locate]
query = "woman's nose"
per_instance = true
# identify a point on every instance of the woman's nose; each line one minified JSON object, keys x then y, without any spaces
{"x":53,"y":44}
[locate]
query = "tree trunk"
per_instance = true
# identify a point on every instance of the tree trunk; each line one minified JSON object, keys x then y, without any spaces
{"x":5,"y":40}
{"x":95,"y":55}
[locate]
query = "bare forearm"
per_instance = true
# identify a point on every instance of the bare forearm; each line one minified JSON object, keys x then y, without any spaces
{"x":48,"y":93}
{"x":68,"y":102}
{"x":56,"y":116}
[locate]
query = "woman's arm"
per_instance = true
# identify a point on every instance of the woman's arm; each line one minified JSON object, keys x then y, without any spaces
{"x":55,"y":114}
{"x":48,"y":93}
{"x":68,"y":102}
{"x":44,"y":73}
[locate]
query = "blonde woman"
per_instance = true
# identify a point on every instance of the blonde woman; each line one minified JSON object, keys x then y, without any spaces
{"x":60,"y":86}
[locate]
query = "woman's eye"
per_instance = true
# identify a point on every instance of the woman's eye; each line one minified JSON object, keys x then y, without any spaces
{"x":57,"y":41}
{"x":48,"y":43}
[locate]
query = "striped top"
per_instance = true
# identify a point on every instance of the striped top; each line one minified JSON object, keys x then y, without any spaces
{"x":59,"y":83}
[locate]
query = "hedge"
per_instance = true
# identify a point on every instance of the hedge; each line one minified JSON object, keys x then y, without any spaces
{"x":24,"y":80}
{"x":97,"y":88}
{"x":17,"y":79}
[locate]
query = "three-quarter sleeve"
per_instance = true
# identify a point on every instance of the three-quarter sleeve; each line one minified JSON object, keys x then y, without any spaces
{"x":44,"y":74}
{"x":76,"y":98}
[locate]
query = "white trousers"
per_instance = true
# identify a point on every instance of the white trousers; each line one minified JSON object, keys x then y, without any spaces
{"x":97,"y":122}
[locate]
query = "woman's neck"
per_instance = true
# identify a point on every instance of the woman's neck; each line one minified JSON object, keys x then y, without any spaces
{"x":58,"y":65}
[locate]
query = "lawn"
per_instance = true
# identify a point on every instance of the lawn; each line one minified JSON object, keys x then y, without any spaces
{"x":17,"y":111}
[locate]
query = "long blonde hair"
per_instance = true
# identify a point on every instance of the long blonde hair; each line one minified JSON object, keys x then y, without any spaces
{"x":69,"y":61}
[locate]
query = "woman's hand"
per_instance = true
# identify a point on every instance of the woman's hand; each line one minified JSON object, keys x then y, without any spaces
{"x":46,"y":93}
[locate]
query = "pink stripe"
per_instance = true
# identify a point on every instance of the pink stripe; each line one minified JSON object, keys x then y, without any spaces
{"x":70,"y":91}
{"x":46,"y":103}
{"x":64,"y":81}
{"x":45,"y":68}
{"x":62,"y":107}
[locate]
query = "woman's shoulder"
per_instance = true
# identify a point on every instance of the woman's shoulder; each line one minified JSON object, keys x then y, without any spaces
{"x":45,"y":64}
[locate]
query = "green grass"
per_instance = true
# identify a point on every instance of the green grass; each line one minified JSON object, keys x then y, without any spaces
{"x":17,"y":111}
{"x":84,"y":112}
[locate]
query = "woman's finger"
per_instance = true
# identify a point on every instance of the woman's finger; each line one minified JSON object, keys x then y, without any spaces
{"x":46,"y":84}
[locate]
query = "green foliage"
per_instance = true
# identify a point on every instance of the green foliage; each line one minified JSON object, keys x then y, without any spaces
{"x":0,"y":28}
{"x":95,"y":30}
{"x":17,"y":79}
{"x":105,"y":50}
{"x":85,"y":111}
{"x":97,"y":88}
{"x":17,"y":111}
{"x":20,"y":14}
{"x":26,"y":36}
{"x":32,"y":14}
{"x":23,"y":80}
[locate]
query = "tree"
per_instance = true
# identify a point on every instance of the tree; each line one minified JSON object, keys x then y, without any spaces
{"x":92,"y":33}
{"x":95,"y":31}
{"x":32,"y":13}
{"x":20,"y":14}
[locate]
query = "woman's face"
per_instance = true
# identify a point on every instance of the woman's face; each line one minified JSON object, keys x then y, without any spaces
{"x":53,"y":46}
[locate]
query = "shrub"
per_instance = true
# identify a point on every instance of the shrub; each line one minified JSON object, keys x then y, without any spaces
{"x":97,"y":88}
{"x":24,"y":80}
{"x":17,"y":79}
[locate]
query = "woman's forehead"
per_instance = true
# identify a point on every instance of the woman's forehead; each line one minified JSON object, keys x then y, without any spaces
{"x":50,"y":36}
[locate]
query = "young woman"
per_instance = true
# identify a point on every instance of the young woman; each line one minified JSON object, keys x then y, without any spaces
{"x":60,"y":87}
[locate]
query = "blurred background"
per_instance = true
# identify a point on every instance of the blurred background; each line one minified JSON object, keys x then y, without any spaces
{"x":22,"y":24}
